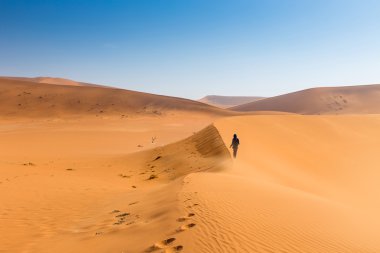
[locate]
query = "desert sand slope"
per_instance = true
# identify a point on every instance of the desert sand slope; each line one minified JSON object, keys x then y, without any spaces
{"x":90,"y":197}
{"x":227,"y":101}
{"x":31,"y":99}
{"x":299,"y":184}
{"x":334,"y":100}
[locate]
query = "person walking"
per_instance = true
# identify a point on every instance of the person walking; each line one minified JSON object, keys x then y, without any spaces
{"x":235,"y":145}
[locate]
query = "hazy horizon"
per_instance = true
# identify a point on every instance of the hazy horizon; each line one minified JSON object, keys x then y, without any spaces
{"x":195,"y":48}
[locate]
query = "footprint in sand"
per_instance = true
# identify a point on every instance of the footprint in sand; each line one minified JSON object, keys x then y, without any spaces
{"x":182,"y":219}
{"x":192,"y":205}
{"x":186,"y":227}
{"x":122,"y":215}
{"x":174,"y":249}
{"x":121,"y":218}
{"x":161,"y":245}
{"x":178,"y":248}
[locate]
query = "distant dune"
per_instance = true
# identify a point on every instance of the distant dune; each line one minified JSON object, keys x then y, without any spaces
{"x":328,"y":100}
{"x":227,"y":101}
{"x":58,"y":81}
{"x":22,"y":97}
{"x":53,"y":80}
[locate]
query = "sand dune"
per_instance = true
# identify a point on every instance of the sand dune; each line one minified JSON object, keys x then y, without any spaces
{"x":79,"y":187}
{"x":334,"y":100}
{"x":227,"y":101}
{"x":30,"y":99}
{"x":299,"y":184}
{"x":92,"y":169}
{"x":53,"y":80}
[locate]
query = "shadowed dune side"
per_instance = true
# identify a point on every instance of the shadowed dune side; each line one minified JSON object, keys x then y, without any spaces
{"x":362,"y":99}
{"x":30,"y":99}
{"x":299,"y":184}
{"x":228,"y":101}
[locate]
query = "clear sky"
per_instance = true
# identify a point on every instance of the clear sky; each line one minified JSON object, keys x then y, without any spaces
{"x":191,"y":48}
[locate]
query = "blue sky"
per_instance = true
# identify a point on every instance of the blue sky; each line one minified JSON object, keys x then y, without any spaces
{"x":190,"y":48}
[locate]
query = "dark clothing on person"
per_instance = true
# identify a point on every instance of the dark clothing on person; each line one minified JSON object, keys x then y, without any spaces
{"x":235,"y":145}
{"x":235,"y":152}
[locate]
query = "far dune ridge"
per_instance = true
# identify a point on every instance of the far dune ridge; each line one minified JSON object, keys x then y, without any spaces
{"x":49,"y":80}
{"x":362,"y":99}
{"x":228,"y":101}
{"x":20,"y":98}
{"x":58,"y":81}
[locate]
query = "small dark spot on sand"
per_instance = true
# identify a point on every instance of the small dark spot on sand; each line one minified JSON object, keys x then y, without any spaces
{"x":168,"y":241}
{"x":191,"y":225}
{"x":153,"y":176}
{"x":29,"y":164}
{"x":122,"y":215}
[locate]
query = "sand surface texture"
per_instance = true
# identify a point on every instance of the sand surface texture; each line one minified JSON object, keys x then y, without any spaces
{"x":299,"y":184}
{"x":72,"y":180}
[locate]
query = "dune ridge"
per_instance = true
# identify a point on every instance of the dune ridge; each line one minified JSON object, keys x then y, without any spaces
{"x":363,"y":99}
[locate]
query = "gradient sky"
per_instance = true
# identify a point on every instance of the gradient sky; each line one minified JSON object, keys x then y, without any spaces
{"x":191,"y":48}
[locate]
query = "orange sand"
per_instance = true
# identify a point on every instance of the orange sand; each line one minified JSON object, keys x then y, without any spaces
{"x":73,"y":180}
